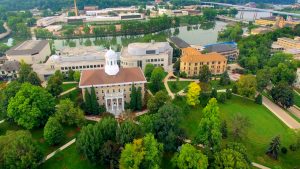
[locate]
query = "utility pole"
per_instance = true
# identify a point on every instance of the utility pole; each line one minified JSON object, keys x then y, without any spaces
{"x":75,"y":8}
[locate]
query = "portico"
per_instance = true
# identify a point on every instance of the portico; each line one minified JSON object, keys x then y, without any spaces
{"x":114,"y":103}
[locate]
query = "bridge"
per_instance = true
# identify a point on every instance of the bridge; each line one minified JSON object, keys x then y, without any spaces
{"x":225,"y":18}
{"x":252,"y":9}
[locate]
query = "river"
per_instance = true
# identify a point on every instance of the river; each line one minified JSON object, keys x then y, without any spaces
{"x":196,"y":35}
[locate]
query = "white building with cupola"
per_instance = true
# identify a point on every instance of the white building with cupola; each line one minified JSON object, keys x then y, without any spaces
{"x":112,"y":83}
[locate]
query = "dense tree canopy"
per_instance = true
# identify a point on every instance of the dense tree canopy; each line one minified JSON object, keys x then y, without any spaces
{"x":158,"y":100}
{"x":142,"y":153}
{"x":53,"y":131}
{"x":229,"y":158}
{"x":190,"y":157}
{"x":282,"y":94}
{"x":247,"y":85}
{"x":31,"y":106}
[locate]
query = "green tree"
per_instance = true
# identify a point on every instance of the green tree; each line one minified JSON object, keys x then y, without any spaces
{"x":224,"y":129}
{"x":229,"y":158}
{"x":133,"y":98}
{"x":31,"y":106}
{"x":164,"y":125}
{"x":240,"y":126}
{"x":282,"y":94}
{"x":95,"y":108}
{"x":20,"y":151}
{"x":189,"y":157}
{"x":7,"y":93}
{"x":209,"y":14}
{"x":148,"y":70}
{"x":98,"y":135}
{"x":127,"y":132}
{"x":139,"y":101}
{"x":222,"y":98}
{"x":209,"y":130}
{"x":273,"y":150}
{"x":263,"y":78}
{"x":228,"y":94}
{"x":157,"y":76}
{"x":192,"y":96}
{"x":258,"y":99}
{"x":53,"y":131}
{"x":205,"y":74}
{"x":76,"y":76}
{"x":67,"y":113}
{"x":283,"y":73}
{"x":142,"y":153}
{"x":247,"y":85}
{"x":54,"y":85}
{"x":87,"y":101}
{"x":214,"y":93}
{"x":239,"y":147}
{"x":159,"y":99}
{"x":71,"y":73}
{"x":224,"y":80}
{"x":24,"y":71}
{"x":33,"y":79}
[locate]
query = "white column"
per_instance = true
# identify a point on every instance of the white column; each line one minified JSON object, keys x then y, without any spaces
{"x":106,"y":105}
{"x":112,"y":104}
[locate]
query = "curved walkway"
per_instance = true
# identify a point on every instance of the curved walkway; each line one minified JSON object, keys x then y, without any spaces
{"x":8,"y":31}
{"x":281,"y":114}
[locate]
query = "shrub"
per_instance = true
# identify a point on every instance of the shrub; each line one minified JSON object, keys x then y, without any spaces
{"x":293,"y":147}
{"x":222,"y":98}
{"x":53,"y":131}
{"x":258,"y":99}
{"x":284,"y":150}
{"x":228,"y":94}
{"x":234,"y":89}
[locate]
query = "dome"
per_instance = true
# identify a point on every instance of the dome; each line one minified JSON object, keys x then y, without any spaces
{"x":110,"y":54}
{"x":54,"y":58}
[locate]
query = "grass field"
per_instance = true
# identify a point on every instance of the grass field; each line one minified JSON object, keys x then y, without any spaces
{"x":264,"y":126}
{"x":296,"y":99}
{"x":68,"y":159}
{"x":37,"y":134}
{"x":73,"y":95}
{"x":69,"y":86}
{"x":178,"y":86}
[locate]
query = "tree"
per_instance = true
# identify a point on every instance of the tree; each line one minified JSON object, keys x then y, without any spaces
{"x":133,"y":97}
{"x":205,"y":74}
{"x":258,"y":99}
{"x":54,"y":85}
{"x":67,"y":113}
{"x":209,"y":14}
{"x":95,"y":108}
{"x":164,"y":125}
{"x":239,"y":147}
{"x":157,"y":76}
{"x":127,"y":132}
{"x":26,"y":74}
{"x":274,"y":147}
{"x":99,"y":136}
{"x":222,"y":97}
{"x":214,"y":93}
{"x":283,"y":73}
{"x":71,"y":73}
{"x":228,"y":94}
{"x":240,"y":125}
{"x":76,"y":76}
{"x":139,"y":101}
{"x":224,"y":80}
{"x":7,"y":93}
{"x":282,"y":94}
{"x":247,"y":85}
{"x":263,"y":78}
{"x":189,"y":157}
{"x":142,"y":153}
{"x":193,"y":94}
{"x":224,"y":129}
{"x":31,"y":106}
{"x":229,"y":158}
{"x":159,"y":99}
{"x":20,"y":151}
{"x":148,"y":70}
{"x":209,"y":130}
{"x":234,"y":89}
{"x":87,"y":101}
{"x":53,"y":131}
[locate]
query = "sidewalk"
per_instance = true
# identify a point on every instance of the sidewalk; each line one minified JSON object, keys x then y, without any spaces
{"x":60,"y":149}
{"x":68,"y":91}
{"x":281,"y":114}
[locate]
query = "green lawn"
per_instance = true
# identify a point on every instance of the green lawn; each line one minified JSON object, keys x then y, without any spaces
{"x":68,"y":159}
{"x":37,"y":134}
{"x":73,"y":95}
{"x":296,"y":99}
{"x":264,"y":127}
{"x":176,"y":86}
{"x":215,"y":84}
{"x":69,"y":86}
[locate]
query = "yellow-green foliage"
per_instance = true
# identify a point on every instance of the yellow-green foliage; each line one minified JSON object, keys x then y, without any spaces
{"x":193,"y":94}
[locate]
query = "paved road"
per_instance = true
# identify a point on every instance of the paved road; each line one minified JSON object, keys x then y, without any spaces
{"x":8,"y":31}
{"x":281,"y":114}
{"x":295,"y":111}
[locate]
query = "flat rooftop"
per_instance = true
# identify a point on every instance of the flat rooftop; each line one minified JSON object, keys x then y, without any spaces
{"x":29,"y":47}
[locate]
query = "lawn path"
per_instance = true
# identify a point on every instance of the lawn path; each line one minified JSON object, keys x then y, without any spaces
{"x":68,"y":91}
{"x":60,"y":149}
{"x":72,"y":82}
{"x":2,"y":121}
{"x":295,"y":111}
{"x":281,"y":114}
